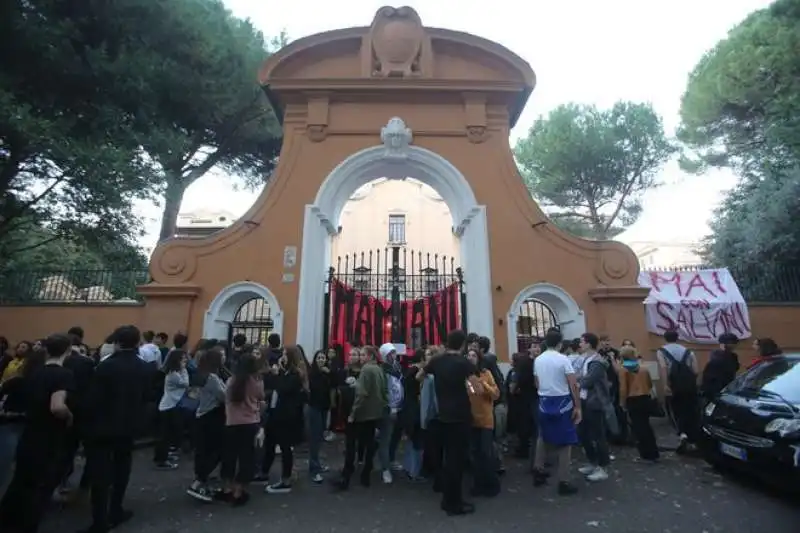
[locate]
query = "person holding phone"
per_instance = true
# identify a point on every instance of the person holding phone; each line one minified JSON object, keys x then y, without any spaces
{"x":283,"y":425}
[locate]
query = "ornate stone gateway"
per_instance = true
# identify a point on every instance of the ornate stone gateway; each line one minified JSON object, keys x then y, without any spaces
{"x":395,"y":100}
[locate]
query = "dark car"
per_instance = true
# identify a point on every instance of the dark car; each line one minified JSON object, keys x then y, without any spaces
{"x":754,"y":423}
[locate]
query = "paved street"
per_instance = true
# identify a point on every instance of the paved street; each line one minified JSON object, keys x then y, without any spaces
{"x":676,"y":496}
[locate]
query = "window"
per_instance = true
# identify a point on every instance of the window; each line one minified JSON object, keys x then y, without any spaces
{"x":361,"y":278}
{"x":397,"y":229}
{"x":779,"y":377}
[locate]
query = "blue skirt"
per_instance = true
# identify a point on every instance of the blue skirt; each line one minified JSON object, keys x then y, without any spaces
{"x":555,"y":421}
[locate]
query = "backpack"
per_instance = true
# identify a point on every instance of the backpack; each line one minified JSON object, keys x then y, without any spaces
{"x":681,"y":378}
{"x":396,"y":392}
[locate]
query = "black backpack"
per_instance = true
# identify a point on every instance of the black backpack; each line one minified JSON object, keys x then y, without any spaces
{"x":682,"y":379}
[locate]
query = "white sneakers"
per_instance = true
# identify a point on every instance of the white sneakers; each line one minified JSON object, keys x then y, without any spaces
{"x":599,"y":474}
{"x":594,"y":473}
{"x":387,"y":476}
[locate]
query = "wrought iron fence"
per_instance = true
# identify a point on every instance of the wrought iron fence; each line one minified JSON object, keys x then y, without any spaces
{"x":761,"y":283}
{"x":34,"y":287}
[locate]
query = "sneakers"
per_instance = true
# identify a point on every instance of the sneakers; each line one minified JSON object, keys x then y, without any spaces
{"x":261,"y":479}
{"x":201,"y":492}
{"x":317,"y":479}
{"x":599,"y":474}
{"x":329,"y":436}
{"x":566,"y":489}
{"x":396,"y":467}
{"x":166,"y":465}
{"x":386,"y":475}
{"x":279,"y":488}
{"x":587,"y":469}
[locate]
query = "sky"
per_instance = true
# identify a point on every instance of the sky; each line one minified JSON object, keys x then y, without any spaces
{"x":582,"y":51}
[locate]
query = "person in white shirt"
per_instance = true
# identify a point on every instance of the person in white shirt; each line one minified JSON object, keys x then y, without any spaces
{"x":559,"y":411}
{"x":148,"y":351}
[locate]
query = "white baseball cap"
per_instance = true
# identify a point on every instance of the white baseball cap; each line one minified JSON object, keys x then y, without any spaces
{"x":386,"y":349}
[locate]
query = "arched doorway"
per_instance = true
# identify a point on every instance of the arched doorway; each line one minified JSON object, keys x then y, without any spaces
{"x":243,"y":307}
{"x":539,"y":307}
{"x":396,"y":158}
{"x":534,"y":319}
{"x":254,"y":320}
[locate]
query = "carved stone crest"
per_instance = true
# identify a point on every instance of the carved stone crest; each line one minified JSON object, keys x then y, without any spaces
{"x":397,"y":45}
{"x":317,"y":132}
{"x":396,"y":136}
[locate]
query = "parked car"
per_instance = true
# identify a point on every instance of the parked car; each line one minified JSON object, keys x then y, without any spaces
{"x":754,"y":423}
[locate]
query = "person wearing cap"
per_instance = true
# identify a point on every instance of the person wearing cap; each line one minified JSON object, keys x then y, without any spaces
{"x":722,"y":366}
{"x":387,"y":435}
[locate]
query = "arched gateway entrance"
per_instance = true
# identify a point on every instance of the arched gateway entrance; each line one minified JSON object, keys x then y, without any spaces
{"x":395,"y":100}
{"x":395,"y":158}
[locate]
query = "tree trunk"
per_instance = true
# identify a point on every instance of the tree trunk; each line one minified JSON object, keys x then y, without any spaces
{"x":173,"y":197}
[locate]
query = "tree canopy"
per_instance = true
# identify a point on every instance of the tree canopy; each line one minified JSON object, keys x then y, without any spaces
{"x":589,"y":167}
{"x":741,"y":108}
{"x":103,"y":103}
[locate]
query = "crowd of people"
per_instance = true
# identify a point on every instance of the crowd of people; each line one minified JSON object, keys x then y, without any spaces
{"x":241,"y":406}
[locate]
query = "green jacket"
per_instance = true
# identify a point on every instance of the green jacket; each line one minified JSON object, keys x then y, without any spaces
{"x":372,"y":394}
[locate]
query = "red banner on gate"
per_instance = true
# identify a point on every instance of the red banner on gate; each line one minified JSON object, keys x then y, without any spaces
{"x":359,"y":319}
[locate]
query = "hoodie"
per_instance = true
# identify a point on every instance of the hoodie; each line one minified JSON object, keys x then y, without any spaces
{"x":720,"y":370}
{"x":594,"y":384}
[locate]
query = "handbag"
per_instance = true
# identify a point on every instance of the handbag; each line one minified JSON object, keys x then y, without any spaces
{"x":189,"y":401}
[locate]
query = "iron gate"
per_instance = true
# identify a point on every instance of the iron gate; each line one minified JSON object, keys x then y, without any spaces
{"x":393,"y":295}
{"x":253,"y":319}
{"x":534,"y":319}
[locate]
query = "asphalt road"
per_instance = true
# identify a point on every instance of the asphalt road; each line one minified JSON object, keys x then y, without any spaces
{"x":678,"y":495}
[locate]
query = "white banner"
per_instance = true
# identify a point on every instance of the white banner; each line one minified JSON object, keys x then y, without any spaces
{"x":701,"y":305}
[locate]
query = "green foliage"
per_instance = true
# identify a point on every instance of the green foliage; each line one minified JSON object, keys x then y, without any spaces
{"x":589,"y":167}
{"x":756,"y":224}
{"x":741,"y":108}
{"x":68,"y":155}
{"x":200,"y":106}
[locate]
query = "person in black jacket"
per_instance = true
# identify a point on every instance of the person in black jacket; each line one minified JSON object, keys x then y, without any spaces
{"x":82,"y":367}
{"x":722,"y":366}
{"x":283,"y":425}
{"x":116,"y":399}
{"x":319,"y":403}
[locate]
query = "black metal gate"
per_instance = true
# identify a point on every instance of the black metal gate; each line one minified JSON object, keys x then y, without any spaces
{"x":534,"y":319}
{"x":393,"y":295}
{"x":253,"y":319}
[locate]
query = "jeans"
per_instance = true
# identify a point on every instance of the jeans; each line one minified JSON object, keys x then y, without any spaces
{"x":359,"y":434}
{"x":109,"y":464}
{"x":385,"y":440}
{"x":209,"y":443}
{"x":412,"y":459}
{"x":455,"y":441}
{"x":239,"y":455}
{"x":316,"y":432}
{"x":639,"y":408}
{"x":9,"y":437}
{"x":484,"y":462}
{"x":276,"y":436}
{"x":169,"y":433}
{"x":593,"y":434}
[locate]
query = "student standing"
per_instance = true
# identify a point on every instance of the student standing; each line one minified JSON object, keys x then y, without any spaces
{"x":39,"y":452}
{"x":453,"y":376}
{"x":116,"y":402}
{"x":558,"y":413}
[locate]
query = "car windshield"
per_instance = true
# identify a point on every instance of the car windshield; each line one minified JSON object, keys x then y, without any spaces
{"x":780,"y":377}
